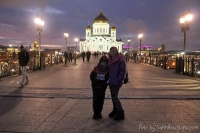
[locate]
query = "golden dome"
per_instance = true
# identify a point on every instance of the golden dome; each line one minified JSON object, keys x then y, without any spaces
{"x":100,"y":19}
{"x":113,"y":28}
{"x":88,"y":27}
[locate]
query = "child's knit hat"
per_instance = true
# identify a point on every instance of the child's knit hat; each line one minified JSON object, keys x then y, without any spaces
{"x":103,"y":58}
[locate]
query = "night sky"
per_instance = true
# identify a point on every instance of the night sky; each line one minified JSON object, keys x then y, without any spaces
{"x":158,"y":20}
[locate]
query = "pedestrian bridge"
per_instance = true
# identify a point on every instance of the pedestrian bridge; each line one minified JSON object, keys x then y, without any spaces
{"x":59,"y":99}
{"x":73,"y":80}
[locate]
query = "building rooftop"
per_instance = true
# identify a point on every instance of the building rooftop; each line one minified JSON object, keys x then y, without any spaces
{"x":100,"y":19}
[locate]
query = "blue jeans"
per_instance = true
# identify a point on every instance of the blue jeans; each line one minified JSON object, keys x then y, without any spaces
{"x":134,"y":59}
{"x":24,"y":74}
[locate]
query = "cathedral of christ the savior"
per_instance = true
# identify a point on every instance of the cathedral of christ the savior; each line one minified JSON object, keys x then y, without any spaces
{"x":100,"y":37}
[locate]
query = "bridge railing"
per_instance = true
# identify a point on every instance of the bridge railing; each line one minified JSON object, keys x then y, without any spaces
{"x":163,"y":62}
{"x":10,"y":67}
{"x":188,"y":66}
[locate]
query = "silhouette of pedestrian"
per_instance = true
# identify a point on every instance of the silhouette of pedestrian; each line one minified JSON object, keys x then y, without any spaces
{"x":135,"y":57}
{"x":70,"y":56}
{"x":88,"y":55}
{"x":127,"y":56}
{"x":83,"y":56}
{"x":66,"y":57}
{"x":74,"y":56}
{"x":23,"y":57}
{"x":97,"y":54}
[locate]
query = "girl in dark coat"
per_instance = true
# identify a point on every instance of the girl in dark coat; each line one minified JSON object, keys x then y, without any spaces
{"x":99,"y":77}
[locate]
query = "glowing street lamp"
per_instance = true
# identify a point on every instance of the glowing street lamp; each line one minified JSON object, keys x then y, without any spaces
{"x":66,"y":36}
{"x":140,"y":38}
{"x":39,"y":24}
{"x":129,"y":40}
{"x":185,"y":21}
{"x":76,"y":40}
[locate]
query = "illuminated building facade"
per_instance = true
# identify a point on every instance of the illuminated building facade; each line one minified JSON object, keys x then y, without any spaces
{"x":100,"y":37}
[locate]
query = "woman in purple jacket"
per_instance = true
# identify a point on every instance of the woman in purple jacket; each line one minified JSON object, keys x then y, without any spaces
{"x":117,"y":72}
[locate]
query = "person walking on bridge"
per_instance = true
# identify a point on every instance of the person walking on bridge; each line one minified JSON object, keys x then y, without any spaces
{"x":66,"y":57}
{"x":23,"y":57}
{"x":83,"y":56}
{"x":75,"y":56}
{"x":117,"y":72}
{"x":97,"y":54}
{"x":135,"y":57}
{"x":88,"y":55}
{"x":127,"y":56}
{"x":70,"y":56}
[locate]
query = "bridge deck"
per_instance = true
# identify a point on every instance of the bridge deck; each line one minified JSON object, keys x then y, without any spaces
{"x":59,"y":99}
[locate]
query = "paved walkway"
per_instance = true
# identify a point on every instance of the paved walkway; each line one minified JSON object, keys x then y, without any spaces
{"x":59,"y":99}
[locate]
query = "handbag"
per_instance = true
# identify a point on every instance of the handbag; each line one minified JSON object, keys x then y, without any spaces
{"x":126,"y":78}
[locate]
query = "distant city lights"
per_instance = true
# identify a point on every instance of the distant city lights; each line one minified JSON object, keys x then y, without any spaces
{"x":127,"y":46}
{"x":144,"y":46}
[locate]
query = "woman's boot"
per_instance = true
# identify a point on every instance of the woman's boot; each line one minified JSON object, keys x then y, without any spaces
{"x":119,"y":116}
{"x":113,"y":113}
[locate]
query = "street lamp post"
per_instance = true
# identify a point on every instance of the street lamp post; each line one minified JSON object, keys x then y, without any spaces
{"x":66,"y":36}
{"x":39,"y":24}
{"x":185,"y":21}
{"x":140,"y":38}
{"x":129,"y":40}
{"x":76,"y":40}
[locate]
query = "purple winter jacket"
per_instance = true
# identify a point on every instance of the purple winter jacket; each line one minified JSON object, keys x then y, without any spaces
{"x":117,"y":71}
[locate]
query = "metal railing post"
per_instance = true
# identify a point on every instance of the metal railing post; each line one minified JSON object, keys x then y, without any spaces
{"x":187,"y":66}
{"x":51,"y":58}
{"x":150,"y":59}
{"x":20,"y":72}
{"x":34,"y":62}
{"x":156,"y":61}
{"x":182,"y":65}
{"x":0,"y":71}
{"x":57,"y":59}
{"x":193,"y":69}
{"x":176,"y":65}
{"x":165,"y":63}
{"x":44,"y":59}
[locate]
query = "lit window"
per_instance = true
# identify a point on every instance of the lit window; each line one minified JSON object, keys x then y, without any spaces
{"x":100,"y":47}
